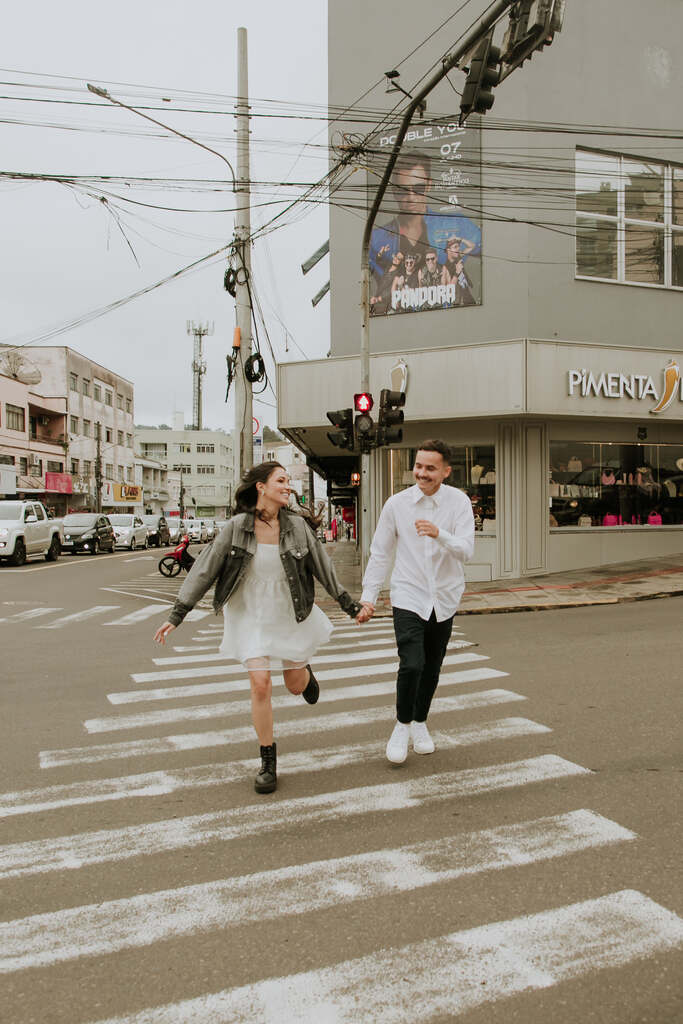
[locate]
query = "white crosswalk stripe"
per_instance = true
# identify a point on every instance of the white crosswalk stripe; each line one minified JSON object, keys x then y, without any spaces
{"x":364,"y":654}
{"x":75,"y":617}
{"x":159,"y":783}
{"x":448,"y":975}
{"x":30,"y":613}
{"x":313,"y":723}
{"x":75,"y":851}
{"x":146,"y":612}
{"x":105,"y":928}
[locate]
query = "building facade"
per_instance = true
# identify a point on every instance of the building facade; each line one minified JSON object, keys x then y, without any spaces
{"x":33,"y":447}
{"x":202,"y":459}
{"x":536,"y":327}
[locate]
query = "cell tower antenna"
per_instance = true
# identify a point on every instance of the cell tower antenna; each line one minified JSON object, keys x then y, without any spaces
{"x":199,"y":332}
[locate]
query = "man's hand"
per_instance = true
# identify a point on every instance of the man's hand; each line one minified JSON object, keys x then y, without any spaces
{"x":425,"y":528}
{"x":162,"y":632}
{"x":366,"y":612}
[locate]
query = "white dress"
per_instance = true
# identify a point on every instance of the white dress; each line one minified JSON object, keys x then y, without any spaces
{"x":259,"y":620}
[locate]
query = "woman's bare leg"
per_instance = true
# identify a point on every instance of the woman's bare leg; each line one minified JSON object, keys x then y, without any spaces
{"x":261,"y":707}
{"x":296,"y":679}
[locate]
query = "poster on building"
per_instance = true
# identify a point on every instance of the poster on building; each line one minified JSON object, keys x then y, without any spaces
{"x":425,"y":248}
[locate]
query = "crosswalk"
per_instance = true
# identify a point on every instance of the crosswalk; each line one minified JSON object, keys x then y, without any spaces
{"x":451,"y":971}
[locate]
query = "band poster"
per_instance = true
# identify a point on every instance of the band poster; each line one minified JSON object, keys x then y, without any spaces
{"x":425,"y":248}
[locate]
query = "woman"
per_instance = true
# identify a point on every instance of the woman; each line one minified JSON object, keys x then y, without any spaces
{"x":263,"y":563}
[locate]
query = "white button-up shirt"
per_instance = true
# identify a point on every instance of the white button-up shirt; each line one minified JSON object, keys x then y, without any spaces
{"x":428,"y":572}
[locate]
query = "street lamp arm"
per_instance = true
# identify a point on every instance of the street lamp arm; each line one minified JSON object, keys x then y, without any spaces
{"x":98,"y":91}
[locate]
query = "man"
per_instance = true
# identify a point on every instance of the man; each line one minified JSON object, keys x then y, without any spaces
{"x":430,"y":530}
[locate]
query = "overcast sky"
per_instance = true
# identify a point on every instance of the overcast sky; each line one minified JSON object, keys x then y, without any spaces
{"x":64,"y":255}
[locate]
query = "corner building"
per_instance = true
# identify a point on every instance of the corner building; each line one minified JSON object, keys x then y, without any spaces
{"x":553,"y":362}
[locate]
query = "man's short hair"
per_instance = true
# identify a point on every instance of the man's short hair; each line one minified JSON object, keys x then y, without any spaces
{"x":435,"y":445}
{"x":414,"y":158}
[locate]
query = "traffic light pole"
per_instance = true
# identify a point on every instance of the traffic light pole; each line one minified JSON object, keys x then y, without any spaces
{"x":471,"y":39}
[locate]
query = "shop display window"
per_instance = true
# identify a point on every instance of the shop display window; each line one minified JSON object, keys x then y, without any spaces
{"x":612,"y":484}
{"x":473,"y":471}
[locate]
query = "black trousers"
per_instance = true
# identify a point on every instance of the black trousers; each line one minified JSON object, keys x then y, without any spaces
{"x":421,"y":649}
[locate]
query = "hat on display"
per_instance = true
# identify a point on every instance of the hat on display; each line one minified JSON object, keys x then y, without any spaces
{"x":679,"y":464}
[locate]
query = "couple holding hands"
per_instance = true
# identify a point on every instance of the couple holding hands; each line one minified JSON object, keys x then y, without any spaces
{"x":264,"y":563}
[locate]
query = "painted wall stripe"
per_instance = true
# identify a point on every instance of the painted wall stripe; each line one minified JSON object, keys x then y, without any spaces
{"x":197,"y":712}
{"x":152,"y":784}
{"x":89,"y":613}
{"x":470,"y":675}
{"x":105,"y":928}
{"x":218,"y":670}
{"x":309,"y":723}
{"x":449,"y":975}
{"x":74,"y":851}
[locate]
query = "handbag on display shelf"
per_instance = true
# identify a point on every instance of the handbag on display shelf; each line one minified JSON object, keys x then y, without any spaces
{"x":654,"y":519}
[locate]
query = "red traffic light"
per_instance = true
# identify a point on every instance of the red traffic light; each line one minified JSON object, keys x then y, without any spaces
{"x":363,"y":402}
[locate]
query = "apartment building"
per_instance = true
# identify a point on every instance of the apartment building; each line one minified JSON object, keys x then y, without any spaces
{"x":33,"y":447}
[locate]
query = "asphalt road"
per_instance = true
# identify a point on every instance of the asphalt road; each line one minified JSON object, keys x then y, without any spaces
{"x":528,"y":871}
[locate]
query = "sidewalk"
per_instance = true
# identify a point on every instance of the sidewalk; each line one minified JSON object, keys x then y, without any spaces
{"x":610,"y":584}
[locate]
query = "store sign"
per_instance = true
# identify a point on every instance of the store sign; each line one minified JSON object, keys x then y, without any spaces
{"x":59,"y":483}
{"x":637,"y":386}
{"x":124,"y":494}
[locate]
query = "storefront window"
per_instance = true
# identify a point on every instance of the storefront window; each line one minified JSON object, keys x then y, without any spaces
{"x":613,"y":484}
{"x":473,"y":471}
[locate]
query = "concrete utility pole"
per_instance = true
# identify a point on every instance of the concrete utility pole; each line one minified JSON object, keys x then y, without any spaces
{"x":243,"y":454}
{"x":98,"y":468}
{"x":199,"y":332}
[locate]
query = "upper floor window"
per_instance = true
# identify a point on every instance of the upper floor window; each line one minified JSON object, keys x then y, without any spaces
{"x":85,"y":386}
{"x":73,"y":382}
{"x":86,"y":428}
{"x":119,"y":437}
{"x":208,"y":449}
{"x":73,"y":424}
{"x":629,"y":220}
{"x":182,"y":447}
{"x":15,"y":417}
{"x":108,"y":398}
{"x":108,"y":471}
{"x":97,"y":392}
{"x":129,"y":405}
{"x":119,"y":402}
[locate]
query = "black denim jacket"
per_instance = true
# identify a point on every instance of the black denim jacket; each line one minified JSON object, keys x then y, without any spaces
{"x":226,"y":561}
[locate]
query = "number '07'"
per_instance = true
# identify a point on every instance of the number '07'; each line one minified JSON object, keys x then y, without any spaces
{"x":451,"y":149}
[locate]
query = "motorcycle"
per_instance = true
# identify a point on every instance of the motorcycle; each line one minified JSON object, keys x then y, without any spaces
{"x":180,"y":558}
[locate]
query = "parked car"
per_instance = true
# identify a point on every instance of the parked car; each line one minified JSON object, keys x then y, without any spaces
{"x":196,"y":530}
{"x":87,"y":531}
{"x":176,"y":529}
{"x":157,"y":529}
{"x":129,"y":530}
{"x":26,"y":529}
{"x":210,"y":528}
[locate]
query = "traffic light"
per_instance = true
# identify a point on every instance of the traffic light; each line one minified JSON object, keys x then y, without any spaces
{"x":390,"y":417}
{"x":484,"y":73}
{"x":365,"y":428}
{"x":342,"y":437}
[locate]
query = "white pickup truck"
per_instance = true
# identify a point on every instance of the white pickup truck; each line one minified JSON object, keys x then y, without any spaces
{"x":25,"y":529}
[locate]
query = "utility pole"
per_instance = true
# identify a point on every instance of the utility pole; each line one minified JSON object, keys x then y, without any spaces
{"x":199,"y":331}
{"x":181,"y":497}
{"x":98,"y":468}
{"x":243,"y":448}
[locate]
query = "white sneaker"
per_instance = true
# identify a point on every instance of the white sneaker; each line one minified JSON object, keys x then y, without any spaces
{"x":397,"y":747}
{"x":422,"y":741}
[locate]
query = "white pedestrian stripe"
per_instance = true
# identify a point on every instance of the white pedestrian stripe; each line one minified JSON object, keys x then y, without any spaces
{"x":363,"y":655}
{"x":196,"y":614}
{"x":222,"y":670}
{"x":449,"y":975}
{"x":310,"y":723}
{"x":70,"y":852}
{"x":89,"y":613}
{"x":146,"y":719}
{"x":146,"y":612}
{"x":160,"y":783}
{"x":31,"y":613}
{"x":106,"y":928}
{"x":471,"y":675}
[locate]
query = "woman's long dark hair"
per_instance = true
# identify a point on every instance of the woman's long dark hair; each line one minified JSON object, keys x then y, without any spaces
{"x":246,"y":495}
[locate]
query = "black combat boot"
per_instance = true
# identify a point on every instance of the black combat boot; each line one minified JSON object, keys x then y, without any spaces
{"x":266,"y":780}
{"x":312,"y":691}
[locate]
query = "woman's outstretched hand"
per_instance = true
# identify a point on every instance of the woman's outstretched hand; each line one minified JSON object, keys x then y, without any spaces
{"x":162,"y":632}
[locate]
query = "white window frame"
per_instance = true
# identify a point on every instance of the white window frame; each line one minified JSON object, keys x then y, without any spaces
{"x":666,"y":226}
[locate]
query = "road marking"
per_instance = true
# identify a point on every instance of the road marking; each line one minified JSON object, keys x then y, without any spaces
{"x":363,"y":655}
{"x":220,"y":670}
{"x":471,"y":675}
{"x":32,"y":613}
{"x":196,"y":614}
{"x":312,"y":723}
{"x":75,"y":851}
{"x":105,"y":928}
{"x":131,"y":618}
{"x":89,"y":613}
{"x":450,"y":974}
{"x":147,"y":719}
{"x":161,"y":783}
{"x":207,"y":647}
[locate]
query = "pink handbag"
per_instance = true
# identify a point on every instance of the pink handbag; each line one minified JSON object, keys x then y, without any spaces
{"x":654,"y":519}
{"x":610,"y":520}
